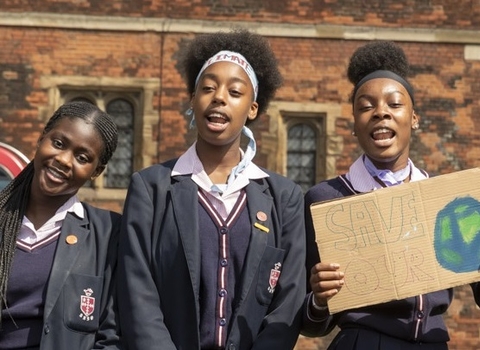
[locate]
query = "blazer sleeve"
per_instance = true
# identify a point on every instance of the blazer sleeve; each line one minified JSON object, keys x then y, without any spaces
{"x":476,"y":292}
{"x":281,"y":325}
{"x":107,"y":336}
{"x":314,"y":326}
{"x":141,"y":317}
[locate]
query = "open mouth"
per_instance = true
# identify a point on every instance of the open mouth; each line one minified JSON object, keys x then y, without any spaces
{"x":217,"y":118}
{"x":56,"y":175}
{"x":383,"y":134}
{"x":217,"y":122}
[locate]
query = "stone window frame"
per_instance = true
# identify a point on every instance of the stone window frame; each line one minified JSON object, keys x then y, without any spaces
{"x":138,"y":91}
{"x":321,"y":116}
{"x":316,"y":124}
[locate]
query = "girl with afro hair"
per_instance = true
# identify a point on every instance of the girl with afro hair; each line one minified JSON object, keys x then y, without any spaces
{"x":212,"y":246}
{"x":384,"y":119}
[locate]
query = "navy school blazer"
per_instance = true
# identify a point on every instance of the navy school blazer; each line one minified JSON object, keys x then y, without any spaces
{"x":159,"y":265}
{"x":87,"y":266}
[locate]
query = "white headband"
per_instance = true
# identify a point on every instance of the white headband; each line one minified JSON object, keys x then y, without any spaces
{"x":232,"y":57}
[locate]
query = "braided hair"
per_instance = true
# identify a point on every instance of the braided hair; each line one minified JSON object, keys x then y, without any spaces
{"x":14,"y":197}
{"x":254,"y":47}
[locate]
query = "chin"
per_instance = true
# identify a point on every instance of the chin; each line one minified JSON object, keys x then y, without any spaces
{"x":387,"y":160}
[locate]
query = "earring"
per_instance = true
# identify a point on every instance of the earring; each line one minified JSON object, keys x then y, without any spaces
{"x":354,"y":133}
{"x":189,"y":113}
{"x":415,"y":126}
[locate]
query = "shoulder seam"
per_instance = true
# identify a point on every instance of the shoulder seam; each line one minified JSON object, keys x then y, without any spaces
{"x":347,"y":184}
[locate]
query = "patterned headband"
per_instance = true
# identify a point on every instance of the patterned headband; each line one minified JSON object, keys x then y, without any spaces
{"x":232,"y":57}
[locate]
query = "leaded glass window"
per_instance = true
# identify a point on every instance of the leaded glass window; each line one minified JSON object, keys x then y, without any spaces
{"x":301,"y":155}
{"x":120,"y":167}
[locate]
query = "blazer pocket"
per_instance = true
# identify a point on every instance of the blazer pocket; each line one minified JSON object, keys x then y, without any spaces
{"x":82,"y":296}
{"x":269,"y":274}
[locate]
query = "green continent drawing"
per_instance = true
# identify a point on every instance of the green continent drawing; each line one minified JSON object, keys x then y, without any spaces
{"x":457,"y":235}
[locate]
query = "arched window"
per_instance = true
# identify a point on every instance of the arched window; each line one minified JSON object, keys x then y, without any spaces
{"x":301,"y":155}
{"x":130,"y":101}
{"x":120,"y":167}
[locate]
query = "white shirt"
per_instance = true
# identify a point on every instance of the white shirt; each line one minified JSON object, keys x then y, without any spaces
{"x":362,"y":181}
{"x":223,"y":200}
{"x":29,"y":235}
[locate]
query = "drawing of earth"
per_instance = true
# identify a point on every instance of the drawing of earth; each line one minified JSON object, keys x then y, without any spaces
{"x":457,"y":235}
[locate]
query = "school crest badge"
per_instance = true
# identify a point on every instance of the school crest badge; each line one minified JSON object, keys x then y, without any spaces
{"x":274,"y":275}
{"x":87,"y":305}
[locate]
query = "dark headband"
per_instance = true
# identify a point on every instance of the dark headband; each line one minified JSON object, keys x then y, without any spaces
{"x":384,"y":74}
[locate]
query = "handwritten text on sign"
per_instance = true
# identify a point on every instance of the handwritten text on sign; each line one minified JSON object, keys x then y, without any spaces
{"x":402,"y":241}
{"x":363,"y":224}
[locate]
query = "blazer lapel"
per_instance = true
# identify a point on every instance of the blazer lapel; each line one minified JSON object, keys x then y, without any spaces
{"x":185,"y":206}
{"x":260,"y":208}
{"x":70,"y":242}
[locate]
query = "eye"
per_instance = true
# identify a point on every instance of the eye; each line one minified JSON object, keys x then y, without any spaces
{"x":207,"y":85}
{"x":82,"y":158}
{"x":207,"y":89}
{"x":365,"y":107}
{"x":363,"y":104}
{"x":57,"y":143}
{"x":235,"y":93}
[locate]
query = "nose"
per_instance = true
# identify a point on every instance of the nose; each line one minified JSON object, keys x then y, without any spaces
{"x":64,"y":159}
{"x":382,"y":111}
{"x":219,"y":96}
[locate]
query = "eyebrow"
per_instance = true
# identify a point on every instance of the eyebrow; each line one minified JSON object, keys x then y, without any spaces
{"x":58,"y":134}
{"x":234,"y":78}
{"x":366,"y":95}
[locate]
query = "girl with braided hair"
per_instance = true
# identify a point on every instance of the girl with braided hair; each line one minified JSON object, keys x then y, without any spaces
{"x":57,"y":254}
{"x":212,"y":247}
{"x":384,"y":119}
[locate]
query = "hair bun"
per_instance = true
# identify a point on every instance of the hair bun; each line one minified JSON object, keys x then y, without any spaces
{"x":377,"y":55}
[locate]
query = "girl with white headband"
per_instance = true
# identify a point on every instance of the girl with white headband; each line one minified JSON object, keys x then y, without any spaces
{"x":384,"y":120}
{"x":212,"y":247}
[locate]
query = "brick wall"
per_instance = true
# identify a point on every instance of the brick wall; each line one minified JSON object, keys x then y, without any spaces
{"x":447,"y":86}
{"x":382,"y":13}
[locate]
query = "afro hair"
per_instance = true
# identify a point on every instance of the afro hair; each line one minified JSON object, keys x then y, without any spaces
{"x":255,"y":48}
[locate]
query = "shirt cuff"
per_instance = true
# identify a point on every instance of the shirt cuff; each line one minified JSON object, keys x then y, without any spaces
{"x":314,"y":312}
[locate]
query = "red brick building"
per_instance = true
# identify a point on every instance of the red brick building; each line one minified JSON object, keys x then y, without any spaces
{"x":122,"y":55}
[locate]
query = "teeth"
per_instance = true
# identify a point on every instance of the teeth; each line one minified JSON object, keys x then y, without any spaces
{"x":381,"y":131}
{"x":382,"y":134}
{"x":55,"y":174}
{"x":217,"y":115}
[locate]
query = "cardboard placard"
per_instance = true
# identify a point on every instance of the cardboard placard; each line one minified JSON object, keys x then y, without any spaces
{"x":402,"y":241}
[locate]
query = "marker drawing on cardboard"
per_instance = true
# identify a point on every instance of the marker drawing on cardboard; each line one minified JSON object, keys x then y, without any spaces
{"x":457,"y":235}
{"x":402,"y":241}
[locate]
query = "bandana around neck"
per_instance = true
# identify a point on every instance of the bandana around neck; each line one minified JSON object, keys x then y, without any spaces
{"x":232,"y":57}
{"x":388,"y":177}
{"x":244,"y":163}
